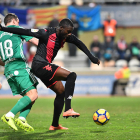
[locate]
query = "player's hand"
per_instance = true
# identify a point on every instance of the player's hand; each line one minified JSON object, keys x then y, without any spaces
{"x":95,"y":60}
{"x":98,"y":62}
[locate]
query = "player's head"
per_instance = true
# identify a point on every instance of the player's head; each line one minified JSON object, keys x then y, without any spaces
{"x":11,"y":19}
{"x":65,"y":28}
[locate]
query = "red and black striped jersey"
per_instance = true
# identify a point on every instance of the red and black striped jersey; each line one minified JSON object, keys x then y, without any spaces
{"x":50,"y":43}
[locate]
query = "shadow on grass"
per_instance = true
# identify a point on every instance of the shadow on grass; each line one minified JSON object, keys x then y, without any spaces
{"x":50,"y":131}
{"x":30,"y":135}
{"x":98,"y":131}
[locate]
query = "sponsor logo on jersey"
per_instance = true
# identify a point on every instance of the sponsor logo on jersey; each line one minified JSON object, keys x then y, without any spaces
{"x":49,"y":68}
{"x":34,"y":30}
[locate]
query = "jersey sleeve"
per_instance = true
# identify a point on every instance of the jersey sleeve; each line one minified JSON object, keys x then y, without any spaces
{"x":73,"y":39}
{"x":38,"y":33}
{"x":26,"y":38}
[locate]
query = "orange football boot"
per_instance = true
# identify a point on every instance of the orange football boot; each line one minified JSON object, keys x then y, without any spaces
{"x":70,"y":113}
{"x":59,"y":127}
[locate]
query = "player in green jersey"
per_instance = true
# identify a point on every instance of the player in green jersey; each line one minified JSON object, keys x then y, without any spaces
{"x":18,"y":74}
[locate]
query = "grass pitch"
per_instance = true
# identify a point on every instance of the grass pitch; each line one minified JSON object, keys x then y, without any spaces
{"x":124,"y":121}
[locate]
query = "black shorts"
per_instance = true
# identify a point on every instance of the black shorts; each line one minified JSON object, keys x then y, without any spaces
{"x":45,"y":71}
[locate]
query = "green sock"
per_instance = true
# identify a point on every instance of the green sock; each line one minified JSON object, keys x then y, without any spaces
{"x":21,"y":104}
{"x":25,"y":111}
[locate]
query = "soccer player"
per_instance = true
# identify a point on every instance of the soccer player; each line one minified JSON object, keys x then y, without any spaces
{"x":18,"y":74}
{"x":50,"y":41}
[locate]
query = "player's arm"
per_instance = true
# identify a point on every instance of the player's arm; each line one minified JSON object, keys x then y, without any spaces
{"x":38,"y":33}
{"x":73,"y":39}
{"x":34,"y":41}
{"x":1,"y":62}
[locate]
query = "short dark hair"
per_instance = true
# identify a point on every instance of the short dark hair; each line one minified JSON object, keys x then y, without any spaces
{"x":8,"y":18}
{"x":66,"y":22}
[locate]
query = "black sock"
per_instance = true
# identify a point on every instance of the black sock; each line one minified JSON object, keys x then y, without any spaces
{"x":69,"y":89}
{"x":58,"y":107}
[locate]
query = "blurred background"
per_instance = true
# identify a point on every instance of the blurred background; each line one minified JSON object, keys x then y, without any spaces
{"x":109,"y":28}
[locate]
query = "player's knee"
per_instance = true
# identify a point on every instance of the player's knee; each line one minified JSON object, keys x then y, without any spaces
{"x":32,"y":94}
{"x":59,"y":90}
{"x":35,"y":96}
{"x":33,"y":102}
{"x":72,"y":76}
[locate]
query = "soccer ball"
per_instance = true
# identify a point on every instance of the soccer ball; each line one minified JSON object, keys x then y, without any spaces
{"x":101,"y":117}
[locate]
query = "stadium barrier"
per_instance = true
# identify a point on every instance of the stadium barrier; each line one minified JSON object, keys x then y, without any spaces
{"x":133,"y":86}
{"x":94,"y":83}
{"x":85,"y":85}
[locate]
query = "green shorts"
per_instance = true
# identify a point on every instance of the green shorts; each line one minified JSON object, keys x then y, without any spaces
{"x":21,"y":81}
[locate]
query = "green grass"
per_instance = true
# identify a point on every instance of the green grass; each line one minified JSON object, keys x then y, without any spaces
{"x":124,"y":122}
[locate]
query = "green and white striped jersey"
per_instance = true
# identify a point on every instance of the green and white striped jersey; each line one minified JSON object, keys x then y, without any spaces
{"x":11,"y":50}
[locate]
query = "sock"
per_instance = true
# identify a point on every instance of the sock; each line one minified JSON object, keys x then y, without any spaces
{"x":58,"y":107}
{"x":21,"y":104}
{"x":22,"y":118}
{"x":25,"y":111}
{"x":10,"y":114}
{"x":69,"y":89}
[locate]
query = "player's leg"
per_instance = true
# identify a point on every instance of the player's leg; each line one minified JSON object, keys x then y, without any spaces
{"x":48,"y":71}
{"x":19,"y":84}
{"x":21,"y":120}
{"x":51,"y":72}
{"x":9,"y":117}
{"x":24,"y":102}
{"x":58,"y":88}
{"x":69,"y":77}
{"x":31,"y":92}
{"x":27,"y":87}
{"x":24,"y":113}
